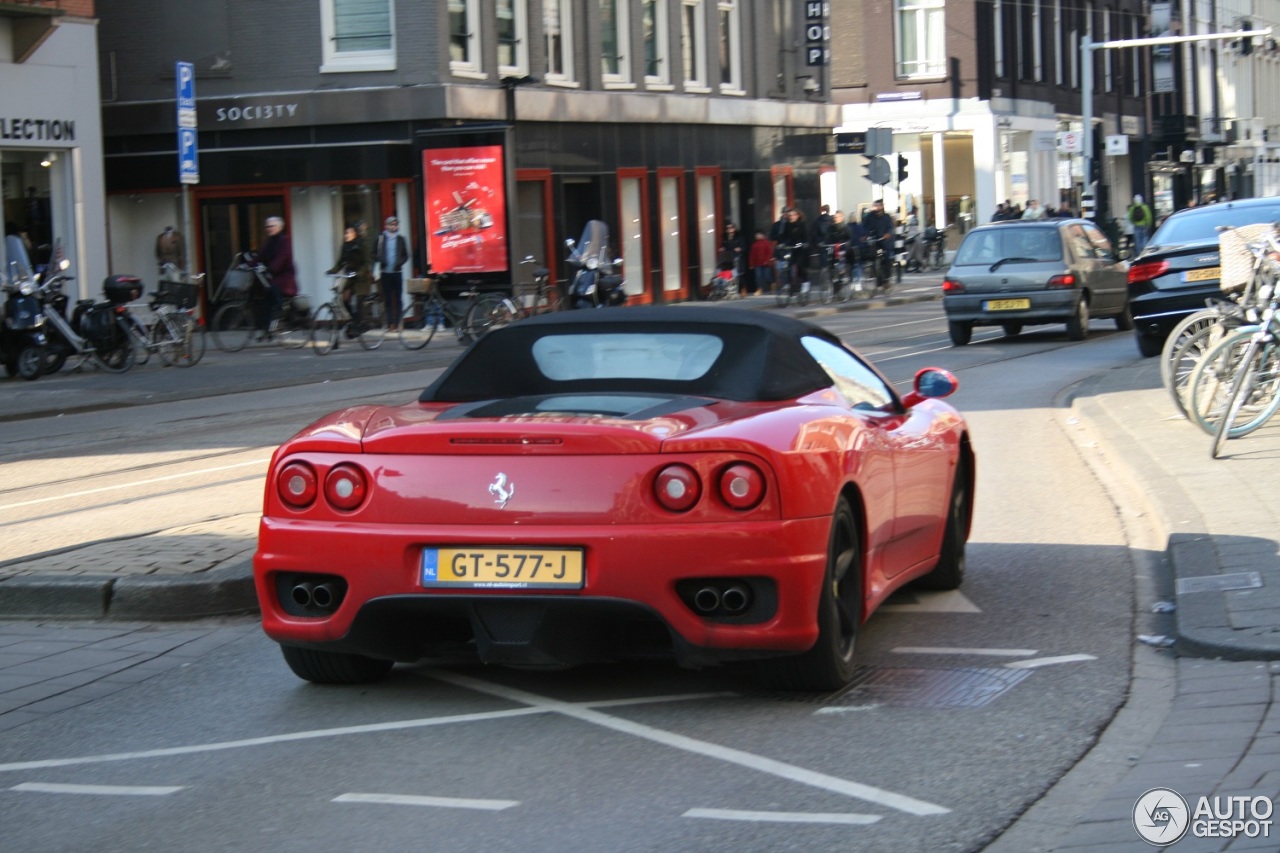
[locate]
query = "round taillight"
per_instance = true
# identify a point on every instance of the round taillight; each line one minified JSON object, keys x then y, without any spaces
{"x":742,"y":486}
{"x":345,"y":486}
{"x":677,"y":487}
{"x":296,"y":484}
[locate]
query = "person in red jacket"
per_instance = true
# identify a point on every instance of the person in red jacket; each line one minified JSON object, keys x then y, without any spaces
{"x":760,"y":259}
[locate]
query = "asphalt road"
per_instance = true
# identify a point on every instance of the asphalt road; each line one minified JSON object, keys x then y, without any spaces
{"x":968,"y":706}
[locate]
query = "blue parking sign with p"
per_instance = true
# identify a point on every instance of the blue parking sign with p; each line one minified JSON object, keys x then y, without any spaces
{"x":186,"y":77}
{"x":188,"y":156}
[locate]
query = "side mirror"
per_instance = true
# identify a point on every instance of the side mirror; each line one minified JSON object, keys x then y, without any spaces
{"x":932,"y":383}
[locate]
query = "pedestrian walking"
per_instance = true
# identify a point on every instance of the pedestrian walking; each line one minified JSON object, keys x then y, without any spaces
{"x":1140,"y":215}
{"x":391,"y":254}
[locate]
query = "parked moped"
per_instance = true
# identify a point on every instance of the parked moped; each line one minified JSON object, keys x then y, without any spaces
{"x":596,"y":282}
{"x":23,"y":343}
{"x":95,"y":330}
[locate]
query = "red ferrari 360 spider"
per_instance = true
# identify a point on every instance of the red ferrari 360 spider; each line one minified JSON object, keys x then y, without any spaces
{"x":706,"y":484}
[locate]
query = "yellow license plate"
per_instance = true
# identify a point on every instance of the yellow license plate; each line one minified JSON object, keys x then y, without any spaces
{"x":1208,"y":274}
{"x":1008,"y":304}
{"x":503,"y":568}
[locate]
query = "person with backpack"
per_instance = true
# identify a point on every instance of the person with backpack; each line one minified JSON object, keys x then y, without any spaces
{"x":1140,"y":216}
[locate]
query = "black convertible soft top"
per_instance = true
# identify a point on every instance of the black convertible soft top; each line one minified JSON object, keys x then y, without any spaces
{"x":762,"y":357}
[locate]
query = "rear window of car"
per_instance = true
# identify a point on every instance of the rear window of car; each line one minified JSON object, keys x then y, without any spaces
{"x":621,"y":355}
{"x":1006,"y":242}
{"x":1200,"y":225}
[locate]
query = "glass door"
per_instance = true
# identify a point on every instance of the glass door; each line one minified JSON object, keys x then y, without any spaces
{"x":229,"y":226}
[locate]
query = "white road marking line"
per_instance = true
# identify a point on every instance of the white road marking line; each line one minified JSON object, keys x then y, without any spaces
{"x":939,"y":650}
{"x":1035,"y":663}
{"x":649,"y":700}
{"x":771,"y":766}
{"x":133,"y":483}
{"x":438,"y":802}
{"x":271,"y":739}
{"x":783,"y":817}
{"x":933,"y":602}
{"x":113,"y":790}
{"x":846,"y":709}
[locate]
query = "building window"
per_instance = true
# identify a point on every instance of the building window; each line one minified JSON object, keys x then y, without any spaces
{"x":513,"y":42}
{"x":359,"y":35}
{"x":654,"y":21}
{"x":921,"y":38}
{"x":693,"y":41}
{"x":1108,"y":56}
{"x":997,"y":35}
{"x":615,"y":36}
{"x":557,"y":29}
{"x":730,"y":47}
{"x":464,"y":36}
{"x":708,"y":190}
{"x":1057,"y":40}
{"x":1037,"y":42}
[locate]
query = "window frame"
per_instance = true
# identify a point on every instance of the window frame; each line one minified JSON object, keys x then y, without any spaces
{"x":472,"y":65}
{"x":729,"y":30}
{"x":622,"y":38}
{"x":659,"y":40}
{"x":927,"y":67}
{"x":564,"y":76}
{"x":338,"y":61}
{"x":520,"y":46}
{"x":693,"y":46}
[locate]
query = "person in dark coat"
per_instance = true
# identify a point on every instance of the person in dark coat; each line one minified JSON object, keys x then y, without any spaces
{"x":276,"y":255}
{"x":789,"y":232}
{"x":353,"y":257}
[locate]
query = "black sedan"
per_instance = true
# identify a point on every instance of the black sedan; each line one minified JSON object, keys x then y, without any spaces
{"x":1179,"y":269}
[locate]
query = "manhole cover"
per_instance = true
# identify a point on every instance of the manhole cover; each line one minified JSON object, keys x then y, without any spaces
{"x":928,"y":688}
{"x":1220,"y":583}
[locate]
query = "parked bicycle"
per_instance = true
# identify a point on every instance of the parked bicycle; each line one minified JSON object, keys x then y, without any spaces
{"x":244,"y":294}
{"x":491,"y":310}
{"x":429,"y":312}
{"x":174,"y":334}
{"x":333,"y":320}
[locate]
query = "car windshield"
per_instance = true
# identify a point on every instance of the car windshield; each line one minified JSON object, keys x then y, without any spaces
{"x":1009,"y":243}
{"x":1201,"y":225}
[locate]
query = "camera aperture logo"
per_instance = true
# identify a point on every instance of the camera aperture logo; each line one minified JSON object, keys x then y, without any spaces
{"x":1162,"y":817}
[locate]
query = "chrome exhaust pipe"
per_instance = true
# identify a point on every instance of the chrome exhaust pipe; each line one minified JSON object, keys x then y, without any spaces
{"x":302,"y":595}
{"x":324,"y":595}
{"x":706,"y":599}
{"x":736,"y":598}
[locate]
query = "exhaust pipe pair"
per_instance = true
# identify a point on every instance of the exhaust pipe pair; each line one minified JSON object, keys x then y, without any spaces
{"x":733,"y":599}
{"x":322,"y":596}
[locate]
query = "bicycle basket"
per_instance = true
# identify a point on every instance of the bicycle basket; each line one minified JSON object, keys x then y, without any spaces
{"x":419,"y":285}
{"x":1235,"y":259}
{"x":178,"y":293}
{"x":235,"y":284}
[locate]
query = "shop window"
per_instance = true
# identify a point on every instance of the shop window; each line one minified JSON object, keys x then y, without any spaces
{"x":359,"y":35}
{"x":669,"y":192}
{"x":709,"y":227}
{"x":513,"y":37}
{"x":633,"y":223}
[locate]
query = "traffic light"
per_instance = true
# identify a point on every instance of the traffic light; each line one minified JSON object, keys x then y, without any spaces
{"x":902,"y":168}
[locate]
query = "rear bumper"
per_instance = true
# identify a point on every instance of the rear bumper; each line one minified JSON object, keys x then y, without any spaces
{"x":1047,"y":306}
{"x":628,"y":606}
{"x":1156,"y":313}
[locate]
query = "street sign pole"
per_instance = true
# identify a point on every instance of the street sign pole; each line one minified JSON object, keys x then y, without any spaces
{"x":188,"y":153}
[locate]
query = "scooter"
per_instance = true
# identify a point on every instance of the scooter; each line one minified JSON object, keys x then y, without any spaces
{"x":23,"y":343}
{"x":596,"y":281}
{"x":96,"y":330}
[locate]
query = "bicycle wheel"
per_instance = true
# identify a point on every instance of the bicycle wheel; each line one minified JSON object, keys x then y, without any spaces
{"x":417,"y":326}
{"x":1183,"y":349}
{"x":1211,"y":382}
{"x":117,"y":356}
{"x":783,"y":293}
{"x":372,"y":322}
{"x":1252,"y":399}
{"x":490,"y":311}
{"x":325,"y":329}
{"x":550,"y":299}
{"x":178,"y":339}
{"x":232,"y":327}
{"x":138,"y":337}
{"x":293,"y":329}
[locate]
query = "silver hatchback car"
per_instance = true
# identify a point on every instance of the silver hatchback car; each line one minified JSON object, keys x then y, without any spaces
{"x":1026,"y":273}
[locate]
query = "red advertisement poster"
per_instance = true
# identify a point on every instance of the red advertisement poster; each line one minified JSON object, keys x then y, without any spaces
{"x":466,"y":208}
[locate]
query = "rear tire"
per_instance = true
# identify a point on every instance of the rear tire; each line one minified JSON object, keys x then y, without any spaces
{"x":1124,"y":320}
{"x":1148,"y":345}
{"x":949,"y":573}
{"x":487,"y":313}
{"x":372,"y":322}
{"x":184,"y":352}
{"x":1011,"y":330}
{"x":417,"y":327}
{"x":961,"y":333}
{"x":232,"y":327}
{"x":829,"y":665}
{"x":334,"y":667}
{"x":31,"y":361}
{"x":117,"y":357}
{"x":1078,"y":322}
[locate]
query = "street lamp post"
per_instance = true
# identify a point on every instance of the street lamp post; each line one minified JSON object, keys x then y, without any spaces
{"x":1087,"y":47}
